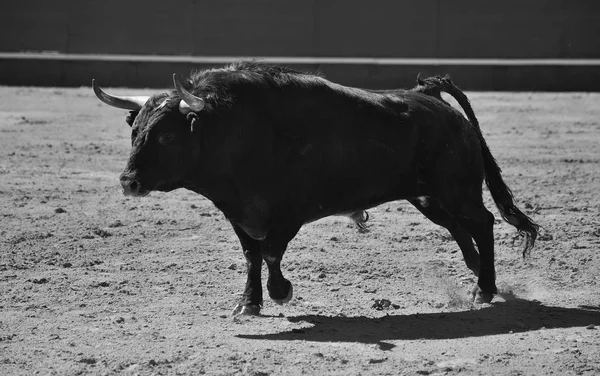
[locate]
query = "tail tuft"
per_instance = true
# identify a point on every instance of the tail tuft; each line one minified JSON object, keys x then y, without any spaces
{"x":525,"y":226}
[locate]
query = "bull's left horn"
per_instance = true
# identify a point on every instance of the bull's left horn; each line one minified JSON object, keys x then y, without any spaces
{"x":126,"y":103}
{"x":189,"y":102}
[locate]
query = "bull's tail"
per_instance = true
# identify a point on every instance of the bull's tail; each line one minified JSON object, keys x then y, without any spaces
{"x":500,"y":192}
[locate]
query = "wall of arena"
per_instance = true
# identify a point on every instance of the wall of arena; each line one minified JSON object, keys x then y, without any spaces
{"x":486,"y":45}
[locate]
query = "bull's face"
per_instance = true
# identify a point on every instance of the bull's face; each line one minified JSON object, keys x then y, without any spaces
{"x":161,"y":149}
{"x":163,"y":152}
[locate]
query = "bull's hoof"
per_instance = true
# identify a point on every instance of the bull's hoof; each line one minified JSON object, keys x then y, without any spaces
{"x":287,"y":298}
{"x":246,"y":310}
{"x":360,"y":218}
{"x":480,"y":297}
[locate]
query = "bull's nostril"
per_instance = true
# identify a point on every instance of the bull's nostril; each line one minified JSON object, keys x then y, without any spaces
{"x":131,"y":185}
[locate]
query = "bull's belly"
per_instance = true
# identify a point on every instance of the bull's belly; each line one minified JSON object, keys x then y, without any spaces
{"x":352,"y":202}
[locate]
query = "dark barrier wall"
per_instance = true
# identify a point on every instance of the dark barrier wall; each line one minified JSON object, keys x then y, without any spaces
{"x":373,"y":28}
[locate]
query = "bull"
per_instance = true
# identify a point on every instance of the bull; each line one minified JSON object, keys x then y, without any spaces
{"x":275,"y":149}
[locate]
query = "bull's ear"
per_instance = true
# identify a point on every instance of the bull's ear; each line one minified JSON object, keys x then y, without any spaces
{"x":194,"y":123}
{"x":131,"y":117}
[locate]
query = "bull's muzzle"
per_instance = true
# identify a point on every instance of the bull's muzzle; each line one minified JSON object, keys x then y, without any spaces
{"x":131,"y":185}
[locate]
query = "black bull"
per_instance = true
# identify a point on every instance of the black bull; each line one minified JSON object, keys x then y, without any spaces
{"x":274,"y":149}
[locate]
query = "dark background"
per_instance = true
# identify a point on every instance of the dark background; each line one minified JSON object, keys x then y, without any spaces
{"x":405,"y":29}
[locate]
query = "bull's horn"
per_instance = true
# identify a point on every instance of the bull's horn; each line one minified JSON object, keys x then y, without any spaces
{"x":127,"y":103}
{"x":189,"y":102}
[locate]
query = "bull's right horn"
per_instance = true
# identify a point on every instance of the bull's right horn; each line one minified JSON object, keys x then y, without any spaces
{"x":126,"y":103}
{"x":189,"y":102}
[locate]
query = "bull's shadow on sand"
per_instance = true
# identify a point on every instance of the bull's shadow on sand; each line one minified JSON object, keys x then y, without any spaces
{"x":512,"y":316}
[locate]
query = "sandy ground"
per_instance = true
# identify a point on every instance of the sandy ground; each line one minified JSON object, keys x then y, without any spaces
{"x":92,"y":282}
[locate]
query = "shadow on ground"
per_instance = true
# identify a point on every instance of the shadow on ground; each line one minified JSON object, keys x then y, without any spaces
{"x":500,"y":318}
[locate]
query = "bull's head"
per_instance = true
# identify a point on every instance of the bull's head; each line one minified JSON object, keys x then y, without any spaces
{"x":163,"y":150}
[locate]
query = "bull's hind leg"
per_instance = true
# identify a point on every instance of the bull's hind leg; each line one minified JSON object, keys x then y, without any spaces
{"x":433,"y":210}
{"x":252,"y":298}
{"x":479,"y":222}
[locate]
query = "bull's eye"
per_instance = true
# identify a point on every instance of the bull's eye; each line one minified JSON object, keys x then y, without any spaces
{"x":166,"y":138}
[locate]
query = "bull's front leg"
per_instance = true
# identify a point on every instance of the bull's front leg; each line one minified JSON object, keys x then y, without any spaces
{"x":252,"y":298}
{"x":273,"y":248}
{"x":280,"y":289}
